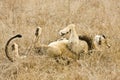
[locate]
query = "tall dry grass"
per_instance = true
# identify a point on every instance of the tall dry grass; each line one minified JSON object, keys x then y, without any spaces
{"x":91,"y":17}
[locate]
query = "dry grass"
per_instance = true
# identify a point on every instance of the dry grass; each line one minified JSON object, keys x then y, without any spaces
{"x":91,"y":16}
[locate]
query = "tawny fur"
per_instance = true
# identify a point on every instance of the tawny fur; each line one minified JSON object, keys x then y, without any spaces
{"x":55,"y":49}
{"x":74,"y":44}
{"x":15,"y":52}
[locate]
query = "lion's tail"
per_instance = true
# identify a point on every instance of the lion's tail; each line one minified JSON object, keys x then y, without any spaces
{"x":6,"y":46}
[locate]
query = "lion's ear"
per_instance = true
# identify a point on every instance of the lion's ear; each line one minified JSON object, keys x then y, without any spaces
{"x":103,"y":36}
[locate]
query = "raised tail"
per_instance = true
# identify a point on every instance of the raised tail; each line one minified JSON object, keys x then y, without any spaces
{"x":6,"y":46}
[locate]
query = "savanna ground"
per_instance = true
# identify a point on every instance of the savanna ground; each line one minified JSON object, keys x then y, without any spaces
{"x":90,"y":16}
